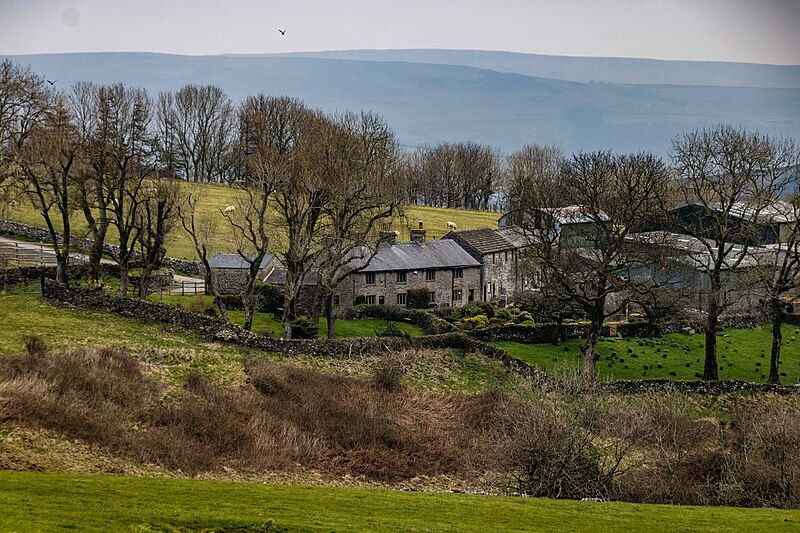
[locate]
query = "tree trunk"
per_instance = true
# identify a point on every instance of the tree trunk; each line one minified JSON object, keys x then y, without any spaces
{"x":123,"y":277}
{"x":330,"y":316}
{"x":590,"y":353}
{"x":62,"y":268}
{"x":248,"y":314}
{"x":711,"y":370}
{"x":211,"y":288}
{"x":96,"y":253}
{"x":777,"y":341}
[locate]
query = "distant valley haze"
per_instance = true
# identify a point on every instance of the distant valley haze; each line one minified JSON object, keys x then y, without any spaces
{"x":502,"y":99}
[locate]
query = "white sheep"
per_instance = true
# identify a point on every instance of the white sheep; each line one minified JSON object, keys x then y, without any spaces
{"x":230,"y":209}
{"x":451,"y":225}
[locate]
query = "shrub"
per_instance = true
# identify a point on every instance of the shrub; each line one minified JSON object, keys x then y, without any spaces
{"x":305,"y":327}
{"x":388,"y":373}
{"x":391,"y":330}
{"x":474,"y":322}
{"x":762,"y":468}
{"x":417,"y":299}
{"x":199,"y":304}
{"x":34,"y":344}
{"x":548,"y":455}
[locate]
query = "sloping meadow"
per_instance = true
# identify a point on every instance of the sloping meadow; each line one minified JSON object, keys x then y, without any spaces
{"x":567,"y":443}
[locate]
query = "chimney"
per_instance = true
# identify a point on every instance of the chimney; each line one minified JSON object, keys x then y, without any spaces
{"x":388,"y":237}
{"x":418,"y":235}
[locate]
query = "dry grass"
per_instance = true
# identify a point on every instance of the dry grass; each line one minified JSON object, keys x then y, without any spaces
{"x":564,"y":442}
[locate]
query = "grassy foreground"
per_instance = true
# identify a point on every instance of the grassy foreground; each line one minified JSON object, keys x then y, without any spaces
{"x":44,"y":502}
{"x":218,"y":197}
{"x":742,"y":354}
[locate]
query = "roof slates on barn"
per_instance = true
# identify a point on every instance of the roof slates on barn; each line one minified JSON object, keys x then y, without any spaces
{"x":235,"y":261}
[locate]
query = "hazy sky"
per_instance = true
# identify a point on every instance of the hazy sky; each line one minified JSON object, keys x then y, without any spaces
{"x":764,"y":31}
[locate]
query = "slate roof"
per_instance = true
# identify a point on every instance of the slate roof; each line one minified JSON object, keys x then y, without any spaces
{"x":278,"y":277}
{"x":482,"y":240}
{"x":443,"y":253}
{"x":235,"y":261}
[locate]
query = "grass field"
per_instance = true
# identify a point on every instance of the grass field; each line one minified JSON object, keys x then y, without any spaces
{"x":46,"y":502}
{"x":743,"y":354}
{"x":268,"y":324}
{"x":175,"y":351}
{"x":218,"y":197}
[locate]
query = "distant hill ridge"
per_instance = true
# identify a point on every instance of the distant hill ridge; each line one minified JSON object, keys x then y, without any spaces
{"x":432,"y":102}
{"x":586,"y":69}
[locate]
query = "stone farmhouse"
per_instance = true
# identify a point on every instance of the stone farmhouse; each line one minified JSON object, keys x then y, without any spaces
{"x":447,"y":271}
{"x":503,"y":272}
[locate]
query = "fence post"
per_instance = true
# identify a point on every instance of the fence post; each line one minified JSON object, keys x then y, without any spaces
{"x":183,"y":288}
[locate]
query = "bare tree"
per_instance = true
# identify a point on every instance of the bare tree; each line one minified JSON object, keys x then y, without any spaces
{"x":95,"y":119}
{"x":203,"y":228}
{"x":584,"y":250}
{"x":197,"y":127}
{"x":124,"y":152}
{"x":459,"y":175}
{"x":727,"y":179}
{"x":49,"y":159}
{"x":22,"y":105}
{"x":530,"y":163}
{"x":779,"y":262}
{"x":158,"y":215}
{"x":361,"y":171}
{"x":269,"y":129}
{"x":301,"y":193}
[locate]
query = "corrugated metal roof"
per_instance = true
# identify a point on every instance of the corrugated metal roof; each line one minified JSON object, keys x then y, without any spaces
{"x":416,"y":256}
{"x":235,"y":261}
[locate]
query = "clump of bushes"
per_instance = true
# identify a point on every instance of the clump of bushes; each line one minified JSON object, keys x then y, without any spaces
{"x":34,"y":344}
{"x":388,"y":372}
{"x":304,"y":327}
{"x":391,"y":330}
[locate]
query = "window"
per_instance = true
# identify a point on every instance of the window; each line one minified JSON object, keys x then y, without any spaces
{"x":492,"y":258}
{"x":472,"y":295}
{"x":505,"y":256}
{"x":401,"y":276}
{"x":430,"y":275}
{"x":381,"y":300}
{"x":432,"y":297}
{"x":369,"y":300}
{"x":370,"y":277}
{"x":401,"y":298}
{"x":457,"y":295}
{"x":458,"y":273}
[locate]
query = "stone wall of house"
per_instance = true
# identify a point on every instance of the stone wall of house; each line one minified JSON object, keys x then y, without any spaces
{"x":27,"y":232}
{"x":229,"y":280}
{"x":387,"y":286}
{"x":499,"y":277}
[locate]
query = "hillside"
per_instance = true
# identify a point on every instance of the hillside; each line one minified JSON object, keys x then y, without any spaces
{"x":427,"y":103}
{"x":217,"y":197}
{"x":586,"y":69}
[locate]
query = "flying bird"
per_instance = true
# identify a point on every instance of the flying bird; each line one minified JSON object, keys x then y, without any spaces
{"x":52,"y":82}
{"x":283,"y":32}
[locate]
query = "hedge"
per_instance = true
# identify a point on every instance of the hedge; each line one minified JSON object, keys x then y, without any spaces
{"x":430,"y":324}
